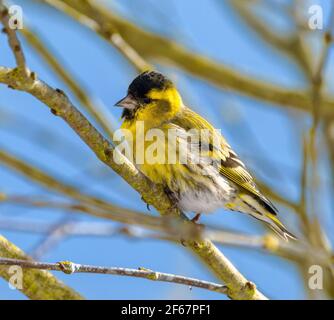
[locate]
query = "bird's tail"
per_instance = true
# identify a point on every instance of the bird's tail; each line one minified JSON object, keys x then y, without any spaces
{"x":259,"y":210}
{"x":278,"y":227}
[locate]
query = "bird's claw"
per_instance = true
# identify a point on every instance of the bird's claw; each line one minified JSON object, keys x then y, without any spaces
{"x":196,"y":218}
{"x":147,"y":204}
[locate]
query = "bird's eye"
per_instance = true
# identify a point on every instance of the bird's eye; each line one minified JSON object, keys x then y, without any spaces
{"x":147,"y":100}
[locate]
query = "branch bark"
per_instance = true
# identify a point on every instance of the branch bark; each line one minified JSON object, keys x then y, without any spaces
{"x":69,"y":267}
{"x":36,"y":284}
{"x":63,"y":72}
{"x":13,"y":40}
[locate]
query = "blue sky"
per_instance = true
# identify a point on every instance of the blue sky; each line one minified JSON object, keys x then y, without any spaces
{"x":264,"y":135}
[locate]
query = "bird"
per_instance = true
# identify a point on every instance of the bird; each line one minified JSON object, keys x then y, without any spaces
{"x":210,"y":175}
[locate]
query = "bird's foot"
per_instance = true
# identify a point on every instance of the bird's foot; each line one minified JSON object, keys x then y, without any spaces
{"x":196,"y":218}
{"x":198,"y":225}
{"x":147,"y":204}
{"x":183,"y":242}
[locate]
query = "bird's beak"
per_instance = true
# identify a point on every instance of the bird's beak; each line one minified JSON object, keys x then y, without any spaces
{"x":129,"y":102}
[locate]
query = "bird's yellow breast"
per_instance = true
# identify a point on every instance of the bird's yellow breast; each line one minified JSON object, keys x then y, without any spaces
{"x":151,"y":143}
{"x":157,"y":150}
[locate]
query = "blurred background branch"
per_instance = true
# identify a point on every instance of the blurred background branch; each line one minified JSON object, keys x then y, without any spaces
{"x":161,"y":49}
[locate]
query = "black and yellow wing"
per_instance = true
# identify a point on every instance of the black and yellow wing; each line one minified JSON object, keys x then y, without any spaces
{"x":228,"y":162}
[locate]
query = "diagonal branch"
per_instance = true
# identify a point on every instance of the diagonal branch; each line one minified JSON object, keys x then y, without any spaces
{"x":63,"y":72}
{"x":106,"y":30}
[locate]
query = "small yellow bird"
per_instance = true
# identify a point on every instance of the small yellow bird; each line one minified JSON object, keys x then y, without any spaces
{"x":212,"y":176}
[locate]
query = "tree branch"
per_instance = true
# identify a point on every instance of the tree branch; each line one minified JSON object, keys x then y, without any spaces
{"x":106,"y":30}
{"x":69,"y":267}
{"x":36,"y":284}
{"x":64,"y":73}
{"x":166,"y":224}
{"x":290,"y":45}
{"x":13,"y":40}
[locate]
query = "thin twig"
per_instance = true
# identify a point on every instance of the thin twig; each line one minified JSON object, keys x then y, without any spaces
{"x":168,"y":224}
{"x":317,"y":104}
{"x":69,"y":267}
{"x":13,"y":40}
{"x":290,"y":45}
{"x":56,"y":234}
{"x":303,"y":188}
{"x":104,"y":28}
{"x":316,"y":234}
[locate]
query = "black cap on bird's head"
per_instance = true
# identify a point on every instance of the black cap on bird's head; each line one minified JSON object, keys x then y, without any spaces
{"x":147,"y":81}
{"x":139,"y":88}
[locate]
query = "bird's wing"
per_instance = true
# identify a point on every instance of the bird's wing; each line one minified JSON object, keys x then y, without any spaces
{"x":229,"y":164}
